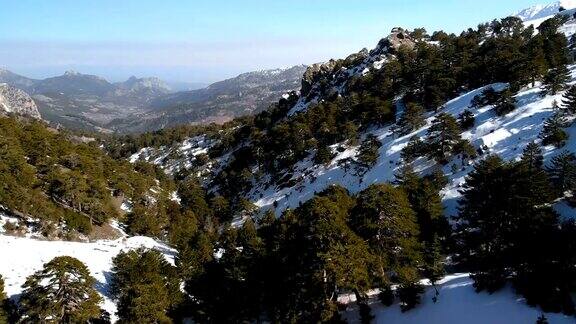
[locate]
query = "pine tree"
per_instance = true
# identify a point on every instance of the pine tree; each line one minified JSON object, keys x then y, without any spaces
{"x":506,"y":102}
{"x":504,"y":206}
{"x":562,"y":172}
{"x":555,"y":80}
{"x":368,"y":153}
{"x":409,"y":289}
{"x":532,"y":157}
{"x":553,"y":132}
{"x":412,"y":119}
{"x":413,"y":150}
{"x":145,"y":286}
{"x":62,"y":292}
{"x":466,"y":119}
{"x":568,"y":104}
{"x":384,"y":217}
{"x":433,"y":265}
{"x":443,"y":136}
{"x":4,"y":304}
{"x":323,"y":155}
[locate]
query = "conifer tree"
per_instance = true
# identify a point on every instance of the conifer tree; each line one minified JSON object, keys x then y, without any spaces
{"x":4,"y":304}
{"x":145,"y":286}
{"x":553,"y":132}
{"x":532,"y":157}
{"x":409,"y":289}
{"x":433,"y":265}
{"x":506,"y":103}
{"x":384,"y":217}
{"x":562,"y":172}
{"x":414,"y":149}
{"x":323,"y":155}
{"x":369,"y":151}
{"x":62,"y":292}
{"x":568,"y":104}
{"x":443,"y":136}
{"x":504,"y":205}
{"x":555,"y":80}
{"x":466,"y":119}
{"x":412,"y":119}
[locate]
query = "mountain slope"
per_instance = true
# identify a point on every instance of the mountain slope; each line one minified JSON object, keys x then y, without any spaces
{"x":219,"y":102}
{"x":16,"y":80}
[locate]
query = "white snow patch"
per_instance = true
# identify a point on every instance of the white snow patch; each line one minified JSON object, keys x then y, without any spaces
{"x":459,"y":303}
{"x":24,"y":256}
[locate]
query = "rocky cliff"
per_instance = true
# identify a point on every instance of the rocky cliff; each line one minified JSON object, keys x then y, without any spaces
{"x":16,"y":101}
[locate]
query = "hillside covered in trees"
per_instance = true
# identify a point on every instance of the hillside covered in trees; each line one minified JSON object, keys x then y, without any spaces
{"x":389,"y":173}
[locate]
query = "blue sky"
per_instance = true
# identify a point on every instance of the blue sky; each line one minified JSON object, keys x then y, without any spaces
{"x":205,"y":41}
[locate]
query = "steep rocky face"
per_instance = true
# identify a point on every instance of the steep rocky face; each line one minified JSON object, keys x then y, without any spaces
{"x":16,"y":101}
{"x":138,"y":91}
{"x":330,"y":78}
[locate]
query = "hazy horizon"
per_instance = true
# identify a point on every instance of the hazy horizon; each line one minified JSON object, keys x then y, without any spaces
{"x":183,"y":41}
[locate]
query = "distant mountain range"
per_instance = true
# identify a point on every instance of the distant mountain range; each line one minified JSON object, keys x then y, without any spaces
{"x":219,"y":102}
{"x":89,"y":102}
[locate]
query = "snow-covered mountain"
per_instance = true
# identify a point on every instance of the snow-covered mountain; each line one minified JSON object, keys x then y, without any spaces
{"x":504,"y":135}
{"x":543,"y":11}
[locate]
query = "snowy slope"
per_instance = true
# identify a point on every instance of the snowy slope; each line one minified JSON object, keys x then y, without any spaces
{"x":459,"y":303}
{"x":545,"y":11}
{"x":24,"y":256}
{"x":505,"y":136}
{"x":536,"y":15}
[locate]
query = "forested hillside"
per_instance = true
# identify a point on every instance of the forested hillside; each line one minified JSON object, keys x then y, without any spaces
{"x":369,"y":195}
{"x":364,"y":165}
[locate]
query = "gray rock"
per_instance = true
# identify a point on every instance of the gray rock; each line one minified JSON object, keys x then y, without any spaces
{"x":16,"y":101}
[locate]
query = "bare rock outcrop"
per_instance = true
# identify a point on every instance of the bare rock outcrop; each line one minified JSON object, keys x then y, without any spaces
{"x":16,"y":101}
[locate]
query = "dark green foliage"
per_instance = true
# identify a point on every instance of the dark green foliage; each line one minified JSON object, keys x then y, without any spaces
{"x":503,"y":101}
{"x":384,"y":217}
{"x":433,"y":260}
{"x":386,"y":296}
{"x":506,"y":103}
{"x":368,"y":153}
{"x":553,"y":132}
{"x":488,"y":97}
{"x":425,"y":200}
{"x":412,"y":118}
{"x":46,"y":174}
{"x":562,"y":172}
{"x":145,"y":286}
{"x":409,"y":290}
{"x":505,"y":206}
{"x":443,"y":138}
{"x":568,"y":105}
{"x":466,"y":119}
{"x":555,"y":80}
{"x":62,"y":292}
{"x":323,"y":155}
{"x":7,"y":307}
{"x":413,"y":150}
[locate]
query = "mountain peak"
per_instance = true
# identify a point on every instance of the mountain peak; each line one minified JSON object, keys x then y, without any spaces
{"x":71,"y":73}
{"x":542,"y":11}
